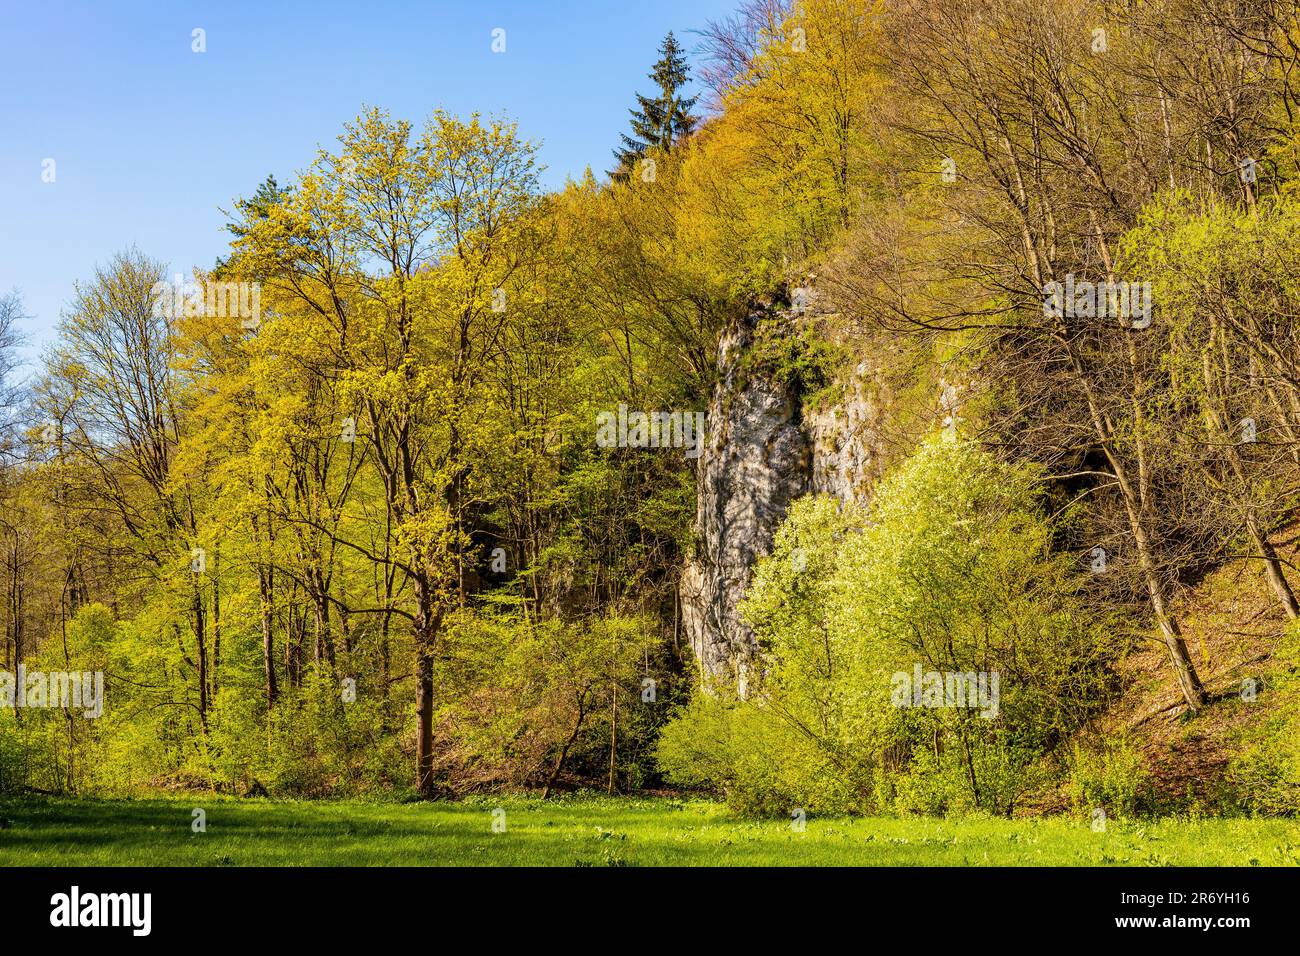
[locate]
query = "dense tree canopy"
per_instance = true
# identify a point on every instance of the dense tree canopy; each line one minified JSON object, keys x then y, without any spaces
{"x":332,"y":516}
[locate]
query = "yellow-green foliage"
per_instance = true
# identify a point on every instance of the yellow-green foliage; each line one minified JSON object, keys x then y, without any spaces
{"x":949,"y":570}
{"x":1266,"y":771}
{"x":522,"y":702}
{"x":1107,"y":774}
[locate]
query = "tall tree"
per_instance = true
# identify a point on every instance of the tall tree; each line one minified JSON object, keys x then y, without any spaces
{"x":659,"y":121}
{"x":398,"y":253}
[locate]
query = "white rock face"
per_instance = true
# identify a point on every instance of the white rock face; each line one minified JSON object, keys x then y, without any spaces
{"x":761,"y":455}
{"x":846,"y":440}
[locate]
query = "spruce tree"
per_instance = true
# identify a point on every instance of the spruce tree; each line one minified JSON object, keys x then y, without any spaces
{"x":659,"y":122}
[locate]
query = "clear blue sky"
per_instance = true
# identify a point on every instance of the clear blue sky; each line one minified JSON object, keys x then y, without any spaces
{"x":150,"y":140}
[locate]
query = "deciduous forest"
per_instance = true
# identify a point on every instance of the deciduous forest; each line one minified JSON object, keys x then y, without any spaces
{"x":903,"y":421}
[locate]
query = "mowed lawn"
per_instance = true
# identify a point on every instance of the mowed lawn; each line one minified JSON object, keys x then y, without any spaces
{"x":594,"y":832}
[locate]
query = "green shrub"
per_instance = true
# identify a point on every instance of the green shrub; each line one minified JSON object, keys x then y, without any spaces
{"x":949,"y":572}
{"x":522,"y":703}
{"x":759,"y":763}
{"x":1109,"y":774}
{"x":1266,"y":772}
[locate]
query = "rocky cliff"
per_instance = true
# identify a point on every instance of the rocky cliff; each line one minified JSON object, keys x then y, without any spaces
{"x":764,"y":450}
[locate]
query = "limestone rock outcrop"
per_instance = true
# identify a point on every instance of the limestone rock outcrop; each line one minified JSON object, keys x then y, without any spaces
{"x":762,"y":453}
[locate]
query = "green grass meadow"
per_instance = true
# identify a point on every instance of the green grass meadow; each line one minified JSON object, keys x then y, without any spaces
{"x":595,"y":831}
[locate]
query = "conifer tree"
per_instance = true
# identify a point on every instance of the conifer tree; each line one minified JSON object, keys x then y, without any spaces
{"x":660,"y":121}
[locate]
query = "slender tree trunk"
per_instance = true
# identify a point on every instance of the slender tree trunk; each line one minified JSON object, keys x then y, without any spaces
{"x":216,"y":621}
{"x":428,"y":621}
{"x":564,"y":751}
{"x":1215,"y":375}
{"x":613,"y":737}
{"x":200,"y":636}
{"x":265,"y":585}
{"x":1189,"y":681}
{"x":424,"y":718}
{"x":1272,"y":566}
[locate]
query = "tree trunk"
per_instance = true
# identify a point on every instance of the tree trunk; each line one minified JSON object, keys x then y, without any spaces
{"x":1189,"y":682}
{"x":564,"y":751}
{"x":1272,"y":566}
{"x":216,"y":621}
{"x":264,"y":587}
{"x":201,"y":637}
{"x":613,"y":736}
{"x":1215,"y":376}
{"x":427,"y":623}
{"x":1184,"y":671}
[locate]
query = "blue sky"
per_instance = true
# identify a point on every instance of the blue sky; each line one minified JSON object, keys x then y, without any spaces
{"x":151,"y":140}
